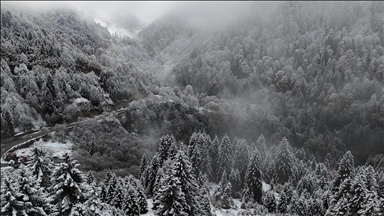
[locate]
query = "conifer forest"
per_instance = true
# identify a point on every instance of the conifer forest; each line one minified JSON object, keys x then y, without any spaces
{"x":209,"y":109}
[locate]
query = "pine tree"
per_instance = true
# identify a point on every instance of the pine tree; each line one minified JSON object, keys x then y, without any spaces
{"x":269,"y":201}
{"x":166,"y":142}
{"x":261,"y":147}
{"x":204,"y":191}
{"x":241,"y":158}
{"x":346,"y":170}
{"x":214,"y":153}
{"x":285,"y":198}
{"x":67,"y":189}
{"x":151,"y":175}
{"x":118,"y":195}
{"x":342,"y":183}
{"x":41,"y":167}
{"x":225,"y":156}
{"x":169,"y":199}
{"x":284,"y":162}
{"x":172,"y":151}
{"x":198,"y":152}
{"x":222,"y":193}
{"x":130,"y":205}
{"x":93,"y":204}
{"x":234,"y":179}
{"x":358,"y":192}
{"x":111,"y":188}
{"x":31,"y":192}
{"x":182,"y":169}
{"x":140,"y":197}
{"x":226,"y":199}
{"x":144,"y":164}
{"x":283,"y":203}
{"x":253,"y":177}
{"x":90,"y":179}
{"x":12,"y":201}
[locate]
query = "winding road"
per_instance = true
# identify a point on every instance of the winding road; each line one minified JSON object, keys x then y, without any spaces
{"x":23,"y":139}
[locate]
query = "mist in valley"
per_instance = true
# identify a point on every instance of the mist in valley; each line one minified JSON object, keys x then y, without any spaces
{"x":271,"y":107}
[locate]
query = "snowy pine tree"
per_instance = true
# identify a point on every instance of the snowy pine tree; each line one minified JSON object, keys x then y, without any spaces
{"x":151,"y":175}
{"x":41,"y":167}
{"x":169,"y":199}
{"x":234,"y":179}
{"x":198,"y":152}
{"x":143,"y":166}
{"x":166,"y":142}
{"x":214,"y":154}
{"x":13,"y":202}
{"x":67,"y":189}
{"x":31,"y":191}
{"x":241,"y":158}
{"x":221,"y":196}
{"x":130,"y":205}
{"x":225,"y":156}
{"x":182,"y":169}
{"x":284,"y":162}
{"x":269,"y":201}
{"x":253,"y":177}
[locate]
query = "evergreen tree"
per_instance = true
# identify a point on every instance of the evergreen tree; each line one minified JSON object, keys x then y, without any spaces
{"x":41,"y":167}
{"x":67,"y":189}
{"x":346,"y":170}
{"x":214,"y":153}
{"x":241,"y":158}
{"x":169,"y":199}
{"x":284,"y":162}
{"x":130,"y":205}
{"x":253,"y":177}
{"x":143,"y":166}
{"x":14,"y":202}
{"x":358,"y":192}
{"x":117,"y":194}
{"x":93,"y":204}
{"x":283,"y":203}
{"x":172,"y":151}
{"x":198,"y":152}
{"x":140,"y":197}
{"x":341,"y":185}
{"x":269,"y":201}
{"x":166,"y":142}
{"x":111,"y":188}
{"x":90,"y":179}
{"x":234,"y":179}
{"x":35,"y":195}
{"x":182,"y":169}
{"x":225,"y":156}
{"x":222,"y":193}
{"x":261,"y":147}
{"x":151,"y":175}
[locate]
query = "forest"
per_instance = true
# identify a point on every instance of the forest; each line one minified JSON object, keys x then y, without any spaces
{"x":281,"y":111}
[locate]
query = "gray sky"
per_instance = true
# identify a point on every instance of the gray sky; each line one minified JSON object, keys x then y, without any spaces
{"x":112,"y":12}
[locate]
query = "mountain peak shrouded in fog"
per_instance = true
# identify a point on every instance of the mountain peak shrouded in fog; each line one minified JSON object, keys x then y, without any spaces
{"x":128,"y":18}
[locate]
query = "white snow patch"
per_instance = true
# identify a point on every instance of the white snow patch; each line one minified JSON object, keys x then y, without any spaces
{"x":150,"y":211}
{"x":266,"y":187}
{"x":53,"y":149}
{"x":237,"y":203}
{"x":80,"y":100}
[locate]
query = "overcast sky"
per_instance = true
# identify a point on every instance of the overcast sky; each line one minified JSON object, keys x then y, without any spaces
{"x":200,"y":12}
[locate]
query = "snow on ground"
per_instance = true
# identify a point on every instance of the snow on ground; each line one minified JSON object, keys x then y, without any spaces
{"x":80,"y":100}
{"x":150,"y":211}
{"x":53,"y":149}
{"x":266,"y":187}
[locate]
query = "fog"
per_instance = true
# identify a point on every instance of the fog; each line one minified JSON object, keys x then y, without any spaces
{"x":128,"y":18}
